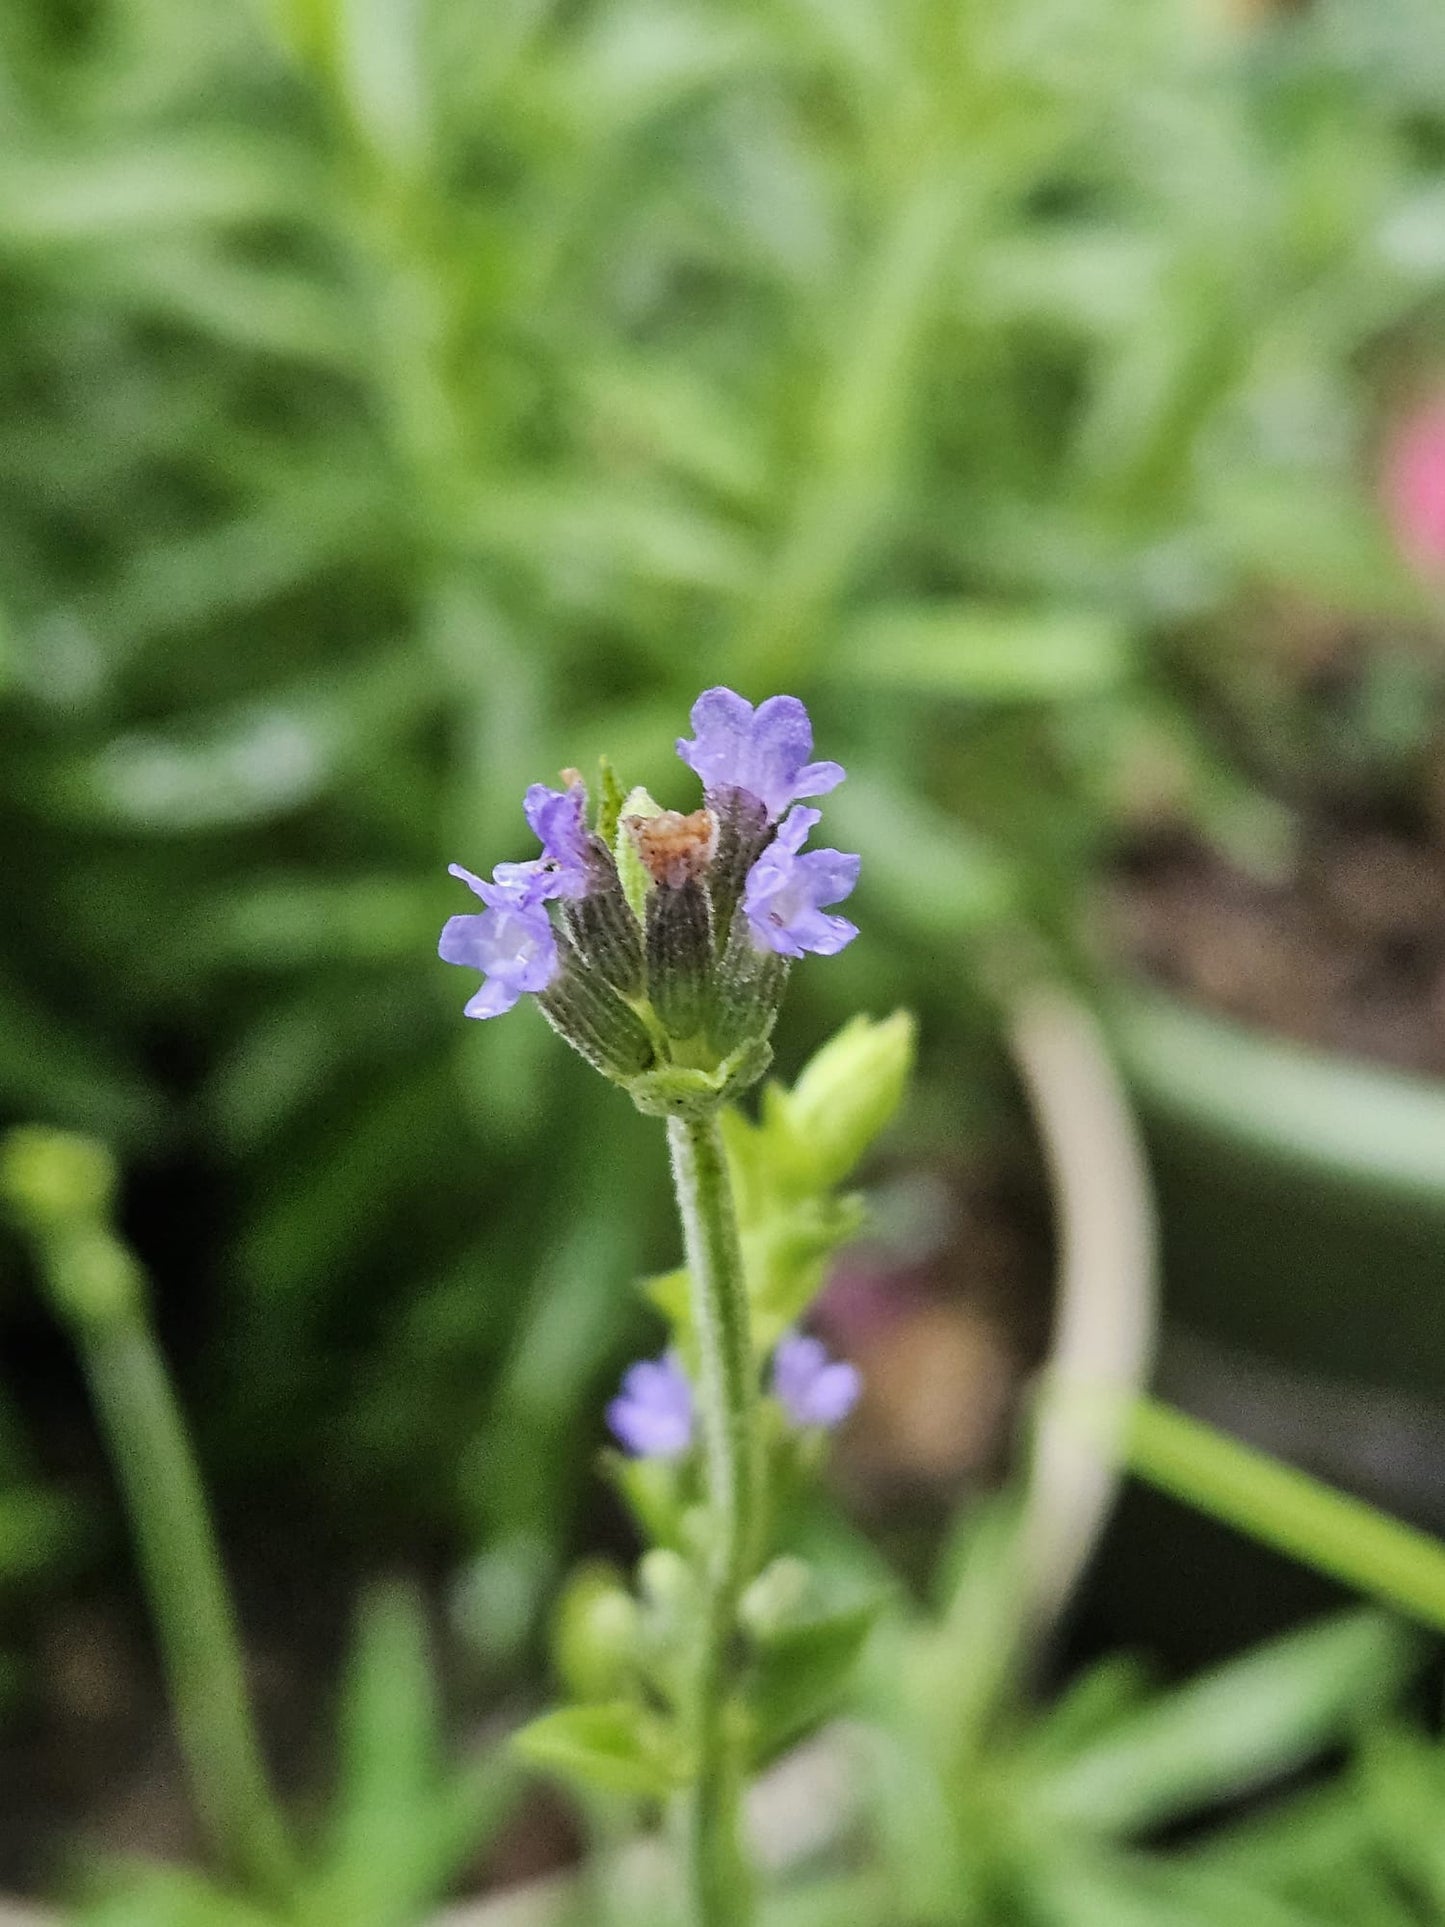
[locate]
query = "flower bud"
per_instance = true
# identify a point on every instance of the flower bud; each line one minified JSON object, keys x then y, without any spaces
{"x":51,"y":1179}
{"x":743,"y":833}
{"x":747,"y":990}
{"x":848,"y":1092}
{"x":602,"y":926}
{"x":637,"y":806}
{"x":775,"y":1596}
{"x":593,"y":1019}
{"x":595,"y":1634}
{"x":665,"y":1577}
{"x":679,"y":956}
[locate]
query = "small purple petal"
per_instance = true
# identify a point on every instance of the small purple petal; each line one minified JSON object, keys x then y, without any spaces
{"x":515,"y":886}
{"x":652,"y":1417}
{"x":793,"y":831}
{"x":788,"y":887}
{"x":763,"y":751}
{"x":559,"y":818}
{"x":472,"y":881}
{"x":511,"y":942}
{"x":812,"y":1388}
{"x":817,"y":779}
{"x":494,"y":999}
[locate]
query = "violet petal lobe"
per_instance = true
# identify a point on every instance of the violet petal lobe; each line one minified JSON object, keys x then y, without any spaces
{"x":788,"y":890}
{"x":511,"y":942}
{"x":559,"y":818}
{"x":764,"y":751}
{"x":812,"y":1388}
{"x":652,"y":1416}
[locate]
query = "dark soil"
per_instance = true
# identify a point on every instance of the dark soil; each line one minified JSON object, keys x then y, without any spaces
{"x":1329,"y":927}
{"x":1346,"y":950}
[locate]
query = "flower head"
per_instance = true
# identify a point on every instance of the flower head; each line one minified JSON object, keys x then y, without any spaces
{"x":763,"y":751}
{"x":559,"y":818}
{"x":652,"y":1415}
{"x":812,"y":1388}
{"x":788,"y":887}
{"x":511,"y":942}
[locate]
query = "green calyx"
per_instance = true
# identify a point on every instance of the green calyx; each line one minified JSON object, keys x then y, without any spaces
{"x":681,"y":1090}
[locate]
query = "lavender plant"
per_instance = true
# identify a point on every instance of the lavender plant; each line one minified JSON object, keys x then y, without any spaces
{"x":658,"y":944}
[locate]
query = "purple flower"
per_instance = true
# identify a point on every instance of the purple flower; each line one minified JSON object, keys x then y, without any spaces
{"x":788,"y":886}
{"x":652,"y":1416}
{"x":812,"y":1388}
{"x":510,"y":942}
{"x":559,"y":818}
{"x":763,"y":751}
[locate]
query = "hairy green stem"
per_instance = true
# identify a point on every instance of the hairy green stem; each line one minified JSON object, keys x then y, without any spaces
{"x":718,"y":1883}
{"x":193,"y":1615}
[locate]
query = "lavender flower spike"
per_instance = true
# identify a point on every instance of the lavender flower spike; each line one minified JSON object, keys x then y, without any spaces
{"x":652,"y":1416}
{"x":813,"y":1389}
{"x":559,"y":817}
{"x":763,"y":751}
{"x":510,"y":942}
{"x":787,"y":889}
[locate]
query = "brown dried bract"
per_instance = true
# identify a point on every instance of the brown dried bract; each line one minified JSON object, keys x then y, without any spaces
{"x":674,"y":848}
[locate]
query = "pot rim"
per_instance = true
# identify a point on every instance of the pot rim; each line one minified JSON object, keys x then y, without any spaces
{"x":1327,"y":1115}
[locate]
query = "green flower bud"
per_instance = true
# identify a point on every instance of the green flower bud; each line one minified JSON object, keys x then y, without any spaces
{"x":743,"y":833}
{"x":775,"y":1597}
{"x":635,"y":880}
{"x":595,"y":1021}
{"x":746,"y":992}
{"x":668,"y":1584}
{"x":595,"y":1634}
{"x":603,"y":929}
{"x":846,"y":1095}
{"x":679,"y":956}
{"x":51,"y":1179}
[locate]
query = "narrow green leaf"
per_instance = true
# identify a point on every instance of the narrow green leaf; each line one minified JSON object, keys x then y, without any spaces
{"x":173,"y":182}
{"x":391,"y":1737}
{"x":1233,"y":1730}
{"x":802,"y":1673}
{"x":1108,"y":1692}
{"x":170,"y":1897}
{"x":1402,"y":1780}
{"x":1288,"y":1510}
{"x":616,"y":1748}
{"x":985,"y":655}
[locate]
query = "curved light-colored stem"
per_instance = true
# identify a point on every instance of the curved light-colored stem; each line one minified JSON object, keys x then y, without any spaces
{"x":1104,"y":1325}
{"x":718,"y":1884}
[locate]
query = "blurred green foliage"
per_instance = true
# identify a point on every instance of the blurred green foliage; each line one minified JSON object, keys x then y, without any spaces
{"x":400,"y":399}
{"x":402,"y":1819}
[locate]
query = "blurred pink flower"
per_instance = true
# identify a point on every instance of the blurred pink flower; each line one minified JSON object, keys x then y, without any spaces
{"x":1414,"y":488}
{"x":867,"y":1295}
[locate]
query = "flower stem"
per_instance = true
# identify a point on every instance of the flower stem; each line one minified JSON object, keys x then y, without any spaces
{"x":717,"y":1876}
{"x":194,"y":1620}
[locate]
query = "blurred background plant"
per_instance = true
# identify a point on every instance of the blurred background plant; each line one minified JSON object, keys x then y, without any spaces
{"x":404,"y":397}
